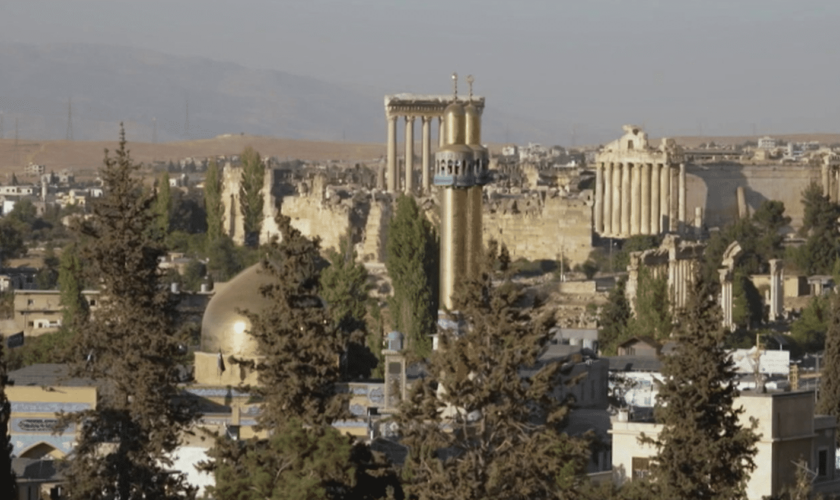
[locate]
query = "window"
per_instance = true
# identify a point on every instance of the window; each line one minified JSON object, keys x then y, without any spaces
{"x":641,"y":467}
{"x":92,"y":302}
{"x":30,"y":302}
{"x":822,"y":463}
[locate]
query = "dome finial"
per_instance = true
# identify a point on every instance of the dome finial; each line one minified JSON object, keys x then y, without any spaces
{"x":454,"y":87}
{"x":470,"y":81}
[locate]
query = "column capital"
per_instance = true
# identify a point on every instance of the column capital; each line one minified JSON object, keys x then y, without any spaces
{"x":409,"y":118}
{"x":426,"y":119}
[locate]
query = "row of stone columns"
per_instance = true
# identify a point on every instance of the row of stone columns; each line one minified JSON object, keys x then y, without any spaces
{"x":392,"y":177}
{"x":633,"y":199}
{"x":776,"y":298}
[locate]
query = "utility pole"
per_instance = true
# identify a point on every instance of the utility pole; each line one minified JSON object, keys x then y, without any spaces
{"x":69,"y":134}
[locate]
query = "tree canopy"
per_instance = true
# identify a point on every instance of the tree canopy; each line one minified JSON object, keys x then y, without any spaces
{"x":250,"y":194}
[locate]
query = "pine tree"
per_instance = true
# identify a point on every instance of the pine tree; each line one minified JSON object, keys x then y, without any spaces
{"x":163,"y":205}
{"x":74,"y":306}
{"x":129,"y":348}
{"x":696,"y":409}
{"x":822,"y":246}
{"x":304,"y":457}
{"x":8,"y":484}
{"x":412,"y":255}
{"x":250,"y":194}
{"x":477,"y":426}
{"x":828,"y":402}
{"x":213,"y":201}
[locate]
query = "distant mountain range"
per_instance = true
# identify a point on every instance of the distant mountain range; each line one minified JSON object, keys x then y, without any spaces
{"x":178,"y":98}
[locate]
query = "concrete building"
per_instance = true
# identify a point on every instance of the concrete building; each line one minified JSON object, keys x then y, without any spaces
{"x":639,"y":189}
{"x":789,"y":430}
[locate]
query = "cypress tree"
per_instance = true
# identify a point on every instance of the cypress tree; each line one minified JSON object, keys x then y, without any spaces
{"x":344,"y":287}
{"x":613,"y":318}
{"x":74,"y":306}
{"x":8,"y":484}
{"x":478,"y":426}
{"x":163,"y":204}
{"x":412,"y":255}
{"x":828,"y":402}
{"x":124,"y":446}
{"x":250,"y":194}
{"x":695,"y":408}
{"x":213,"y":201}
{"x":652,"y":317}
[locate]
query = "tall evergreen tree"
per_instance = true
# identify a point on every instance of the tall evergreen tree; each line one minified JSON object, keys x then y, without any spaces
{"x":613,"y":319}
{"x":484,"y":423}
{"x":412,"y":260}
{"x":828,"y":402}
{"x":70,"y":275}
{"x":250,"y":194}
{"x":695,"y":408}
{"x":213,"y":201}
{"x":345,"y":287}
{"x":163,"y":204}
{"x":124,"y":446}
{"x":304,"y":457}
{"x":652,"y":316}
{"x":8,"y":484}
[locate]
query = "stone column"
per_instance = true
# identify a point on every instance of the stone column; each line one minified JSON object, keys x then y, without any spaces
{"x":441,"y":136}
{"x":608,"y":196}
{"x":726,"y":297}
{"x":644,"y":227}
{"x":409,"y":154}
{"x":427,"y":153}
{"x":776,"y":294}
{"x":391,"y":172}
{"x":681,"y":195}
{"x":665,"y":200}
{"x":635,"y":198}
{"x":599,"y":198}
{"x":655,"y":219}
{"x":626,"y":200}
{"x":616,"y":200}
{"x":698,"y":221}
{"x":672,"y":211}
{"x":826,"y":179}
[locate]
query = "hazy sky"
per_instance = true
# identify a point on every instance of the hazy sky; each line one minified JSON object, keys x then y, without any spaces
{"x":675,"y":66}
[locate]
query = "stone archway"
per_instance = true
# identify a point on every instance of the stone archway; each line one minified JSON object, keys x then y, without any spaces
{"x":726,"y":272}
{"x":42,"y":450}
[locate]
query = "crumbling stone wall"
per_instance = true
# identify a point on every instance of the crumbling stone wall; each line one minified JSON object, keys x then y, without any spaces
{"x":541,"y":227}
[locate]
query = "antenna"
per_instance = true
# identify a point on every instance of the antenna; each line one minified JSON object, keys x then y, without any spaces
{"x":454,"y":86}
{"x":470,"y":81}
{"x":69,"y":135}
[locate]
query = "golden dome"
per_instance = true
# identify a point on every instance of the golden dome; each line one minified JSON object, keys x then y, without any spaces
{"x":223,"y":327}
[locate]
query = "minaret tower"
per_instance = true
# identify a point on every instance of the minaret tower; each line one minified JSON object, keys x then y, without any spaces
{"x":460,"y":169}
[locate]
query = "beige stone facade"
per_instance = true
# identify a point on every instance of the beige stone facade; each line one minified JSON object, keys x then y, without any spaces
{"x":788,"y":431}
